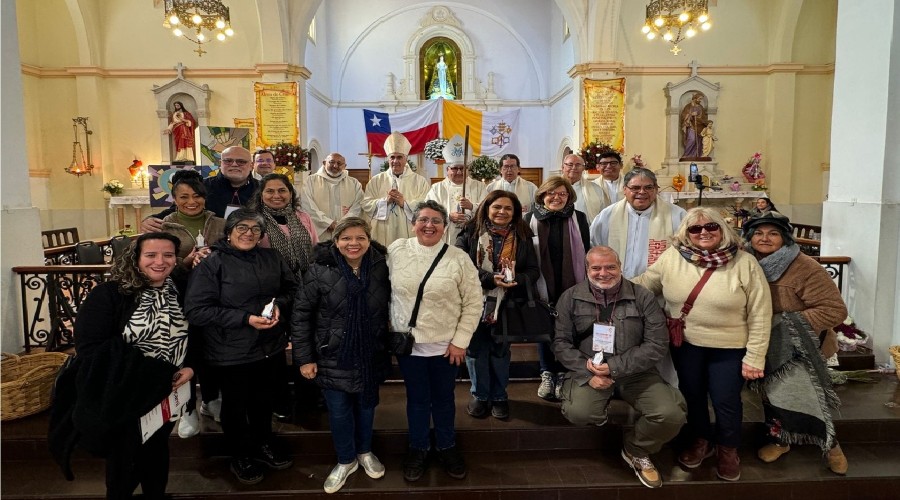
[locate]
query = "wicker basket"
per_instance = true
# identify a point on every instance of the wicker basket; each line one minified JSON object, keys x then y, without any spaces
{"x":28,"y":383}
{"x":895,"y":353}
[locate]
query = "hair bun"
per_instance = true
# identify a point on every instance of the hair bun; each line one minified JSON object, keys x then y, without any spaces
{"x":185,"y":174}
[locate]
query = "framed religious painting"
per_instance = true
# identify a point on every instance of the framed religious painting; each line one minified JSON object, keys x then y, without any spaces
{"x":440,"y":69}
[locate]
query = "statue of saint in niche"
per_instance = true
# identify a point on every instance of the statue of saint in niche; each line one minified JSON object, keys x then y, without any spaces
{"x":439,"y":67}
{"x":441,"y":85}
{"x":693,"y":121}
{"x":181,"y":128}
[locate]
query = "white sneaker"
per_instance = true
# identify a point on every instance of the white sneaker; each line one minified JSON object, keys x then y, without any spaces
{"x":189,"y":425}
{"x":370,"y":463}
{"x":339,"y":475}
{"x":547,"y":389}
{"x":212,"y":409}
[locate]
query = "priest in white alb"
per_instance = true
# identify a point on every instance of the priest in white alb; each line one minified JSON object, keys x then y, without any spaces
{"x":589,"y":196}
{"x":610,"y":180}
{"x":449,"y":192}
{"x":331,"y":194}
{"x":392,"y":196}
{"x":637,"y":228}
{"x":510,"y":181}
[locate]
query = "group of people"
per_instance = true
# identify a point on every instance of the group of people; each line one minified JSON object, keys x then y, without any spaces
{"x":245,"y":268}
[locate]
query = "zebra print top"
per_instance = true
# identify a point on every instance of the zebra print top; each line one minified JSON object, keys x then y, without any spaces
{"x":158,"y":327}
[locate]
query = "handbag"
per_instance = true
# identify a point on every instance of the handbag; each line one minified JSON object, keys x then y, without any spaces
{"x":676,"y":325}
{"x":528,"y":319}
{"x":401,"y":343}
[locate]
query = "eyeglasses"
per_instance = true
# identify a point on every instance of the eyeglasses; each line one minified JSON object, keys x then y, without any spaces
{"x":557,"y":194}
{"x":232,"y":161}
{"x":260,"y":159}
{"x":574,"y":165}
{"x":638,"y":189}
{"x":243,"y":228}
{"x":607,"y":163}
{"x":338,"y":163}
{"x":455,"y":169}
{"x":508,"y":167}
{"x":434,"y":222}
{"x":709,"y":226}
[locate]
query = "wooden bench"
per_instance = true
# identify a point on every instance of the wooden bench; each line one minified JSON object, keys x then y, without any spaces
{"x":59,"y":237}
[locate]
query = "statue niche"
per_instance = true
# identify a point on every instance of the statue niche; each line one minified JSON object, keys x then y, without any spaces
{"x":439,"y":64}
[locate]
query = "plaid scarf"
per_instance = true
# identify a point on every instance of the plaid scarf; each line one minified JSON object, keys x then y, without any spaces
{"x":707,"y":259}
{"x":296,"y":250}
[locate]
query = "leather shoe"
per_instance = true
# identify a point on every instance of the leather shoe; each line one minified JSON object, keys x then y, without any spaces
{"x":500,"y":410}
{"x":339,"y":475}
{"x":729,"y":466}
{"x":370,"y":463}
{"x":272,"y":459}
{"x":772,"y":452}
{"x":837,"y":462}
{"x":694,"y":456}
{"x":477,"y":409}
{"x":415,"y":464}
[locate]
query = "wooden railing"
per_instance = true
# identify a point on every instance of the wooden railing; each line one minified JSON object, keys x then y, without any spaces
{"x":51,"y":296}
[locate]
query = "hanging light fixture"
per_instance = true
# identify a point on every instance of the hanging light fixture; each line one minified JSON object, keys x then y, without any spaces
{"x":675,"y":20}
{"x":81,"y":165}
{"x":194,"y":16}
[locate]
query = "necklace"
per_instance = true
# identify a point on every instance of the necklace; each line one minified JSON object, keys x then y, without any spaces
{"x":355,"y":270}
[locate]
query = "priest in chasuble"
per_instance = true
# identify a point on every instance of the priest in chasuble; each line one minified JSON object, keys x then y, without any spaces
{"x":510,"y":181}
{"x":637,"y":228}
{"x":392,"y":196}
{"x":331,"y":194}
{"x":590,"y":197}
{"x":449,"y":192}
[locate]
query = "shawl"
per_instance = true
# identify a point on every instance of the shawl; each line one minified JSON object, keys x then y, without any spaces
{"x":157,"y":327}
{"x":573,"y":252}
{"x":775,"y":264}
{"x":485,"y":260}
{"x":658,"y":233}
{"x":297,"y":249}
{"x":796,"y":389}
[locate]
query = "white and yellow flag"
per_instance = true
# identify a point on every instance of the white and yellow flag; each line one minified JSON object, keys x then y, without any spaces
{"x":490,"y":133}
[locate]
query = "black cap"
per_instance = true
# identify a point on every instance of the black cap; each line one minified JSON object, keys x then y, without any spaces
{"x":774,"y":218}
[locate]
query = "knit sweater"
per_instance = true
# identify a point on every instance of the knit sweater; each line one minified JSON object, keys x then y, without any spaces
{"x":452,"y":302}
{"x":733,"y":311}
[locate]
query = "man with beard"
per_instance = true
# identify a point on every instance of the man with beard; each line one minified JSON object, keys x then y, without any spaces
{"x":226,"y":192}
{"x":632,"y":343}
{"x":448,"y":192}
{"x":510,"y":181}
{"x":638,"y":227}
{"x":590,"y":197}
{"x":331,"y":194}
{"x":391,"y":196}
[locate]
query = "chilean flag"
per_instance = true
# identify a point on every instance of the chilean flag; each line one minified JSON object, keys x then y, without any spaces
{"x":419,"y":125}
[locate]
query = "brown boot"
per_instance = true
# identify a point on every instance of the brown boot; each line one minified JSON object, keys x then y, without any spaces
{"x":729,"y":466}
{"x":694,"y":456}
{"x":837,"y":462}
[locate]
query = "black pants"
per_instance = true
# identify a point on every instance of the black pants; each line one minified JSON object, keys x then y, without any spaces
{"x":247,"y":395}
{"x":131,"y":463}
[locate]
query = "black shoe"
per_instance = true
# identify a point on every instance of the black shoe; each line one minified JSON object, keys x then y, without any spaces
{"x":453,"y":462}
{"x":415,"y":464}
{"x":246,"y":471}
{"x":477,"y":409}
{"x":273,"y":459}
{"x":500,"y":410}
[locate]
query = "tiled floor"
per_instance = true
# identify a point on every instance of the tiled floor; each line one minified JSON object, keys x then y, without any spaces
{"x":535,"y":454}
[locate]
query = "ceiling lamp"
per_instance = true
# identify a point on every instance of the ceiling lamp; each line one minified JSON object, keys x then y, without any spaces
{"x":675,"y":20}
{"x":80,"y":165}
{"x":184,"y":17}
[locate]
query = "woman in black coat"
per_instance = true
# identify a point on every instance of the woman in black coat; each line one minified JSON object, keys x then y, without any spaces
{"x":498,"y":241}
{"x":237,"y":296}
{"x":339,"y":325}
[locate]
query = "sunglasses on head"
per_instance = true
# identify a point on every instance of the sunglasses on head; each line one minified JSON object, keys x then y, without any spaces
{"x":709,"y":226}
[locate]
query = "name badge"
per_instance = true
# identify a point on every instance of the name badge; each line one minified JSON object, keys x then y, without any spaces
{"x":604,"y":338}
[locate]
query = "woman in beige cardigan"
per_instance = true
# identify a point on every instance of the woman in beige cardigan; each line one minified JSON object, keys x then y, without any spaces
{"x":726,"y":333}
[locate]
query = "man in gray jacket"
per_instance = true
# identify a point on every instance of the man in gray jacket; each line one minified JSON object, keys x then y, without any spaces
{"x":622,"y":320}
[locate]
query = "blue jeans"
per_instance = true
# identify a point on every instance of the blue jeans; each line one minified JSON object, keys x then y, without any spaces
{"x":430,"y":382}
{"x":715,"y":372}
{"x":488,"y":364}
{"x":547,"y":361}
{"x":351,"y":424}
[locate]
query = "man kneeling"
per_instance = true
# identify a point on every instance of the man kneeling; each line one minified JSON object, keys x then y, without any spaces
{"x":623,"y":320}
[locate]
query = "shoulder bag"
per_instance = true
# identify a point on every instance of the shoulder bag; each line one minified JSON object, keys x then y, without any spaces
{"x":676,"y":325}
{"x":401,"y":343}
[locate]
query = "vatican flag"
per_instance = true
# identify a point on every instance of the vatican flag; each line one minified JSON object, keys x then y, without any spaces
{"x":490,"y":133}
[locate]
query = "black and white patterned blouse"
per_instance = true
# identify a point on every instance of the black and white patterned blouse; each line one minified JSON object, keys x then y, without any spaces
{"x":158,"y":326}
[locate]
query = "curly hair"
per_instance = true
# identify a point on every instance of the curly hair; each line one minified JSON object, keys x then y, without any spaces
{"x":125,"y":270}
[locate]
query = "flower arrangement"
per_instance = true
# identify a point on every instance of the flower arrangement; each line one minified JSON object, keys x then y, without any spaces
{"x":484,"y":168}
{"x":291,"y":155}
{"x":591,"y":153}
{"x":760,"y":185}
{"x":850,"y":338}
{"x":387,"y":164}
{"x":434,"y":149}
{"x":637,"y":161}
{"x":752,"y":171}
{"x":113,"y":187}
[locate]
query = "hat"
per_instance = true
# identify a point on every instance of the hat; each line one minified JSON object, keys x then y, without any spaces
{"x":773,"y":218}
{"x":397,"y":143}
{"x":453,"y":150}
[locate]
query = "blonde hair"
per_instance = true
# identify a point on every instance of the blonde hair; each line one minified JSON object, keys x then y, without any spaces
{"x":681,"y":236}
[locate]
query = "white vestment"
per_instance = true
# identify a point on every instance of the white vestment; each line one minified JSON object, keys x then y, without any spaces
{"x":396,"y":221}
{"x":524,"y":190}
{"x":448,"y":194}
{"x":324,"y":198}
{"x":613,"y":191}
{"x":590,"y":198}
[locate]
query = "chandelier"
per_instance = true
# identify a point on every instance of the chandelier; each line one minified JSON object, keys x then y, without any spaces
{"x":80,"y":165}
{"x":675,"y":20}
{"x":186,"y":16}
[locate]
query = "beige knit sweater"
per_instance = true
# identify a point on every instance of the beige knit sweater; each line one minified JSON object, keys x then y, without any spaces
{"x":734,"y":309}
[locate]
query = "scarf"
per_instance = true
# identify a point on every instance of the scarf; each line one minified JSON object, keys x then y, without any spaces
{"x":486,"y":260}
{"x":775,"y":264}
{"x":296,"y":250}
{"x":358,"y":346}
{"x":550,"y":286}
{"x":158,"y":327}
{"x":707,"y":259}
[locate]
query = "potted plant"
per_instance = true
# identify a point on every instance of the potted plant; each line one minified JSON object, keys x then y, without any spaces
{"x":113,"y":188}
{"x":484,"y":168}
{"x":291,"y":156}
{"x":434,"y":150}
